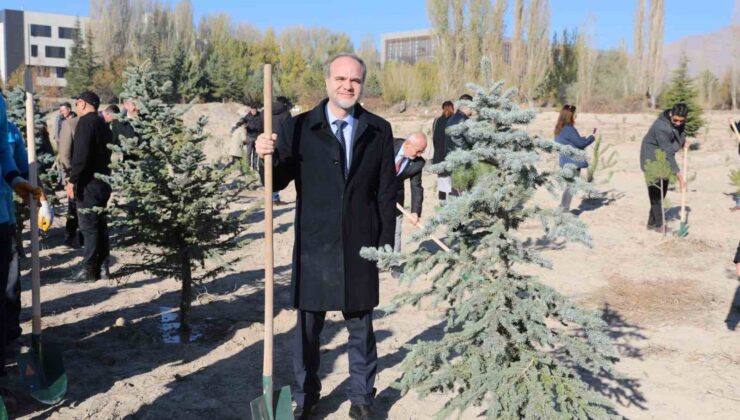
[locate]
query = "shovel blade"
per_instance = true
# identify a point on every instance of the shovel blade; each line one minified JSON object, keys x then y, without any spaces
{"x":42,"y":373}
{"x":3,"y":411}
{"x":282,"y":404}
{"x":683,"y":230}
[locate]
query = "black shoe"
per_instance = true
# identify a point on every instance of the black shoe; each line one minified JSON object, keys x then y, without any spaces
{"x":360,"y":412}
{"x":304,"y":412}
{"x":82,"y":276}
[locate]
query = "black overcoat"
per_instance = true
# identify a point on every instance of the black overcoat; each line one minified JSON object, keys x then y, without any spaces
{"x":411,"y":171}
{"x":336,"y":217}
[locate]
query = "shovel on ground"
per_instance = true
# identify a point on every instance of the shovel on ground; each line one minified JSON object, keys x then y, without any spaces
{"x":683,"y":229}
{"x":41,"y":368}
{"x":271,"y":405}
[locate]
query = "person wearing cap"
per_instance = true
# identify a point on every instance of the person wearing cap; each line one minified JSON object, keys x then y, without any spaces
{"x":91,"y":156}
{"x":24,"y":189}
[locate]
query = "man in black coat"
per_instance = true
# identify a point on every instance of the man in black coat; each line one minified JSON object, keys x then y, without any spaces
{"x":91,"y":156}
{"x":409,"y":165}
{"x":340,"y":157}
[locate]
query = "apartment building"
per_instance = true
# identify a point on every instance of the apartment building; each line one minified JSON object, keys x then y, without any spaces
{"x":413,"y":46}
{"x":40,"y":40}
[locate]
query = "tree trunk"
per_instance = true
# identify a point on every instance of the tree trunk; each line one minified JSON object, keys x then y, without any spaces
{"x":186,"y":297}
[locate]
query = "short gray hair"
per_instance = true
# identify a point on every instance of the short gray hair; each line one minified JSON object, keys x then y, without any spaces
{"x":327,"y":71}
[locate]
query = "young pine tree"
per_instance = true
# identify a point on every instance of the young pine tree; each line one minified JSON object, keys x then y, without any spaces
{"x":82,"y":66}
{"x":512,"y":344}
{"x":681,"y":89}
{"x":655,"y":172}
{"x":48,"y":177}
{"x":169,"y":199}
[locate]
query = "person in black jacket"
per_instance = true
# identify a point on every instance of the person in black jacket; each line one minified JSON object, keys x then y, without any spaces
{"x":438,"y":139}
{"x":341,"y":159}
{"x":280,"y":116}
{"x":91,"y":156}
{"x":254,"y":126}
{"x":667,"y":134}
{"x":409,"y":165}
{"x":444,"y":181}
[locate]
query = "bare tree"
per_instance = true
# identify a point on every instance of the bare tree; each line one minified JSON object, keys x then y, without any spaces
{"x":495,"y":39}
{"x":474,"y":38}
{"x":638,"y":59}
{"x":439,"y":12}
{"x":368,"y":52}
{"x":586,"y":56}
{"x":183,"y":21}
{"x":655,"y":49}
{"x":537,"y":52}
{"x":517,"y":45}
{"x":458,"y":19}
{"x":110,"y":21}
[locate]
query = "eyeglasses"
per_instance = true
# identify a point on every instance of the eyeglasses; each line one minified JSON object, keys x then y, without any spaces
{"x":571,"y":108}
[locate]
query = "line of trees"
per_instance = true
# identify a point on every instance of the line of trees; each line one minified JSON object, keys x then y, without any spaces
{"x":219,"y":60}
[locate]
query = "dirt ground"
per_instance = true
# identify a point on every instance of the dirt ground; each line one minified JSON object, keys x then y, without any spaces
{"x":668,"y":303}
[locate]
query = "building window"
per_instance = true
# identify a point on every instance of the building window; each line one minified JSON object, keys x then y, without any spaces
{"x":55,"y":52}
{"x":34,"y":50}
{"x":60,"y":71}
{"x":41,"y":30}
{"x":66,"y":33}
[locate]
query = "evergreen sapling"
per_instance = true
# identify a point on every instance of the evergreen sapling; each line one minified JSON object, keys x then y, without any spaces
{"x":168,"y":199}
{"x":655,"y":172}
{"x":512,"y":344}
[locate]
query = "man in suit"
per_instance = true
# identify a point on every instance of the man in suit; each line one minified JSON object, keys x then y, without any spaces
{"x":340,"y":157}
{"x":409,"y":164}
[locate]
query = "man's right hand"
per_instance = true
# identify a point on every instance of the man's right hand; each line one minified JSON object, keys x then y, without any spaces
{"x":23,"y":188}
{"x":265,"y":144}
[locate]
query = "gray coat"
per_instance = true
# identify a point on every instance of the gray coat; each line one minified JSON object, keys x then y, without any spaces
{"x":662,"y":135}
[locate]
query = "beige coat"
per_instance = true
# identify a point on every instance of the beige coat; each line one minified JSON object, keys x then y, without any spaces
{"x":65,"y":144}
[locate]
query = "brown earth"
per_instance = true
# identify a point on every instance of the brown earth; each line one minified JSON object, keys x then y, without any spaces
{"x":666,"y":301}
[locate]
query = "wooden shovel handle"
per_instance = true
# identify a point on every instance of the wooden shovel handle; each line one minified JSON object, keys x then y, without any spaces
{"x":685,"y":183}
{"x":33,"y":179}
{"x":419,"y":225}
{"x":269,"y":257}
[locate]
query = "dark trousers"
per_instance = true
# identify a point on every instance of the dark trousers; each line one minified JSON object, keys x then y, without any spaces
{"x":655,"y":217}
{"x":94,"y":226}
{"x":361,"y":350}
{"x":13,"y":295}
{"x":6,"y":245}
{"x":72,"y":220}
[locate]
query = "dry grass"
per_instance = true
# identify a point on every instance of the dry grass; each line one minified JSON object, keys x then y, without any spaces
{"x":653,"y":300}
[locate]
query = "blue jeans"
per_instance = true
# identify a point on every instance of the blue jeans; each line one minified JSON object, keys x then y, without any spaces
{"x":276,"y":196}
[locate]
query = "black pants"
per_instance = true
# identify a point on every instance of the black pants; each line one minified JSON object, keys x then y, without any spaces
{"x":94,"y":225}
{"x":13,"y":295}
{"x":6,"y":234}
{"x":72,"y":220}
{"x":655,"y":217}
{"x":361,"y":350}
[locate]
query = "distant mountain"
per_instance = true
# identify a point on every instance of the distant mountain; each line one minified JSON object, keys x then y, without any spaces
{"x":710,"y":51}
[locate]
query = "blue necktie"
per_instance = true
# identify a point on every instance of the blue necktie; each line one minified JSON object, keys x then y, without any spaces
{"x":340,"y":136}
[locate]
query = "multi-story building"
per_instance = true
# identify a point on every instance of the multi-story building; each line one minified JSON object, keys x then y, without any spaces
{"x":413,"y":46}
{"x":42,"y":41}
